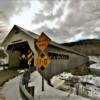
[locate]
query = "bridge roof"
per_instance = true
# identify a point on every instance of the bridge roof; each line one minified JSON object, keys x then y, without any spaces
{"x":36,"y":36}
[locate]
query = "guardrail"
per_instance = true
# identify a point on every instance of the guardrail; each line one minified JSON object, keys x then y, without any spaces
{"x":23,"y":91}
{"x":3,"y":64}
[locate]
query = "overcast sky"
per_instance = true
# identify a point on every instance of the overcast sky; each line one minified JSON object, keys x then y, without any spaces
{"x":62,"y":20}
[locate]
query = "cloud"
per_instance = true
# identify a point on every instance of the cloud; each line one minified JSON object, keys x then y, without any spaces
{"x":69,"y":18}
{"x":8,"y":8}
{"x":62,"y":20}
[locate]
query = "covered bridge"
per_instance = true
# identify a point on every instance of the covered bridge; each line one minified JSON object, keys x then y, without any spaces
{"x":19,"y":41}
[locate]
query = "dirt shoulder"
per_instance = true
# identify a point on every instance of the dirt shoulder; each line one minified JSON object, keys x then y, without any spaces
{"x":5,"y":75}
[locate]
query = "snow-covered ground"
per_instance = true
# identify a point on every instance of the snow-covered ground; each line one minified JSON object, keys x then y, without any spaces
{"x":11,"y":89}
{"x":96,"y":59}
{"x":91,"y":79}
{"x":87,"y":86}
{"x":89,"y":90}
{"x":1,"y":68}
{"x":50,"y":93}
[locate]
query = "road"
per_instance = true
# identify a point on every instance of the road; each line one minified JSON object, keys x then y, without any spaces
{"x":11,"y":89}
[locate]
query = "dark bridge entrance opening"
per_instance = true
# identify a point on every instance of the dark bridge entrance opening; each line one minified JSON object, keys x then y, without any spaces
{"x":18,"y":55}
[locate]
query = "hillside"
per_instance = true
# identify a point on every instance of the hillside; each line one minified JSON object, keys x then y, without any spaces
{"x":90,"y":47}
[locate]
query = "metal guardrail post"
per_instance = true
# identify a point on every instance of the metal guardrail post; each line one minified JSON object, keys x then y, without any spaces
{"x":32,"y":90}
{"x":24,"y":93}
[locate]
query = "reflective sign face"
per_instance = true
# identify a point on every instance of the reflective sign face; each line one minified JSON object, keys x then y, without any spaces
{"x":42,"y":42}
{"x":43,"y":61}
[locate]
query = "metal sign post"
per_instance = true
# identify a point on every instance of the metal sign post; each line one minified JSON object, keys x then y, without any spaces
{"x":43,"y":59}
{"x":42,"y":84}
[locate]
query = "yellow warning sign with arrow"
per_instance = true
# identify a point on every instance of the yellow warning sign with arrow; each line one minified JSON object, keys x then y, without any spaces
{"x":43,"y":61}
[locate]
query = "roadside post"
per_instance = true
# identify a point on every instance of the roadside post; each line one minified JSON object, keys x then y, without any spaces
{"x":43,"y":59}
{"x":29,"y":59}
{"x":31,"y":89}
{"x":42,"y":84}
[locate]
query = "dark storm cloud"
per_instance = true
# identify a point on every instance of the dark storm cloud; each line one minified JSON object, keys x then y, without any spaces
{"x":73,"y":17}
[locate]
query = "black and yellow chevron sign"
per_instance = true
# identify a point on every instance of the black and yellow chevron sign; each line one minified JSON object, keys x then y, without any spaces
{"x":29,"y":57}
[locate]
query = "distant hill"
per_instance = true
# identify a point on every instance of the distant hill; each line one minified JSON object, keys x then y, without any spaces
{"x":90,"y":47}
{"x":83,"y":42}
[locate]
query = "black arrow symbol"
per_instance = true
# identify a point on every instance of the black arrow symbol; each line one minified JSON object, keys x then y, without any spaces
{"x":42,"y":55}
{"x":42,"y":67}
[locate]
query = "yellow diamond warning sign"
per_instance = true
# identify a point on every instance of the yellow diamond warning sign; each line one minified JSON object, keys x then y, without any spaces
{"x":42,"y":42}
{"x":43,"y":61}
